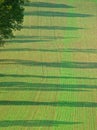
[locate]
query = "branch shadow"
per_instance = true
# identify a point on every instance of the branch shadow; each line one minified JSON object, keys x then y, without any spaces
{"x":38,"y":37}
{"x":42,"y":76}
{"x":52,"y":50}
{"x":45,"y":87}
{"x":80,"y":50}
{"x":47,"y":5}
{"x":54,"y":104}
{"x":52,"y":27}
{"x":64,"y":64}
{"x":56,"y":14}
{"x":35,"y":123}
{"x":26,"y":41}
{"x":31,"y":39}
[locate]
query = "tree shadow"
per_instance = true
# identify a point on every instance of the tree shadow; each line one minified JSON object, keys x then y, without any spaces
{"x":38,"y":37}
{"x":35,"y":123}
{"x":42,"y":76}
{"x":64,"y":64}
{"x":45,"y":87}
{"x":52,"y":27}
{"x":26,"y":41}
{"x":47,"y":5}
{"x":53,"y":50}
{"x":79,"y":50}
{"x":31,"y":39}
{"x":56,"y":14}
{"x":54,"y":104}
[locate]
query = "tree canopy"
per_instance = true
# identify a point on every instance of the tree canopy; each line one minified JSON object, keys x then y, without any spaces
{"x":11,"y":18}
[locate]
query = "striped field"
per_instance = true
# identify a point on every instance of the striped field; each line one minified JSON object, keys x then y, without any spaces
{"x":48,"y":73}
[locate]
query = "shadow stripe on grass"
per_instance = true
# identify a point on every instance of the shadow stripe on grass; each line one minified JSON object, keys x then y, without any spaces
{"x":56,"y":14}
{"x":43,"y":76}
{"x":52,"y":27}
{"x":27,"y":41}
{"x":18,"y":86}
{"x":35,"y":123}
{"x":47,"y":5}
{"x":52,"y":50}
{"x":64,"y":64}
{"x":60,"y":103}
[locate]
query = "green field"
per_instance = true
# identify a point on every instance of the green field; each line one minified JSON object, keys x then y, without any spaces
{"x":48,"y":73}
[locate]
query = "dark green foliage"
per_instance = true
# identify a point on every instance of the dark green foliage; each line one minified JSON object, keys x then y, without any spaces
{"x":11,"y":18}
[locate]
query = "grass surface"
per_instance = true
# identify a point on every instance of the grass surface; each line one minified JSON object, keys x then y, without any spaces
{"x":48,"y":73}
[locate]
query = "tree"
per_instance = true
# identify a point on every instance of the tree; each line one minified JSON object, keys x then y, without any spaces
{"x":11,"y":18}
